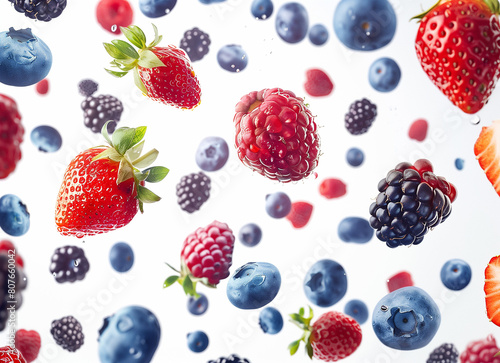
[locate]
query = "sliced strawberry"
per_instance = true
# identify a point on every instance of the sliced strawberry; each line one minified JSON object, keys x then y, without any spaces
{"x":300,"y":214}
{"x":487,"y":151}
{"x":492,"y":289}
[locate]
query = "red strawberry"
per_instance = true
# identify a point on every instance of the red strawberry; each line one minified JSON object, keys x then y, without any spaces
{"x":163,"y":74}
{"x":300,"y":214}
{"x":101,"y":188}
{"x":487,"y":151}
{"x":457,"y":45}
{"x":481,"y":351}
{"x":276,"y":135}
{"x":206,"y":257}
{"x":492,"y":290}
{"x":42,"y":87}
{"x":28,"y":343}
{"x":318,"y":83}
{"x":399,"y":280}
{"x":112,"y":14}
{"x":11,"y":355}
{"x":11,"y":136}
{"x":332,"y":188}
{"x":332,"y":337}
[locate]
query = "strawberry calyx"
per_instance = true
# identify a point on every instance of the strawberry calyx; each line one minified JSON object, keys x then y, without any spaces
{"x":187,"y":280}
{"x":494,"y":6}
{"x":125,"y":148}
{"x":305,"y":324}
{"x":127,"y":58}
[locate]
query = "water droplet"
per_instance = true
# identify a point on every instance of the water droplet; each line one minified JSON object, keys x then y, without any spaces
{"x":167,"y":11}
{"x":125,"y":324}
{"x":113,"y":28}
{"x":475,"y":120}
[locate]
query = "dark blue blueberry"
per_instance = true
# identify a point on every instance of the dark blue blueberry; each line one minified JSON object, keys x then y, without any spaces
{"x":292,"y":22}
{"x":197,"y":341}
{"x":355,"y":157}
{"x":14,"y":216}
{"x":364,"y":24}
{"x":212,"y":153}
{"x":156,"y":8}
{"x":250,"y":234}
{"x":278,"y":205}
{"x":197,"y":306}
{"x":384,"y":75}
{"x":46,"y":138}
{"x":121,"y":257}
{"x":406,"y":319}
{"x":456,"y":274}
{"x":262,"y":9}
{"x":270,"y":320}
{"x":232,"y":58}
{"x":253,"y":285}
{"x":318,"y":34}
{"x":459,"y":163}
{"x":131,"y":335}
{"x":325,"y":283}
{"x":358,"y":310}
{"x":356,"y":229}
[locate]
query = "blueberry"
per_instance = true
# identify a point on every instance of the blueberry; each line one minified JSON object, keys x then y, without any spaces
{"x":364,"y":24}
{"x":459,"y":163}
{"x":355,"y":156}
{"x":250,"y":234}
{"x":278,"y":205}
{"x":355,"y":229}
{"x":262,"y":9}
{"x":358,"y":310}
{"x":197,"y":341}
{"x":270,"y":320}
{"x":46,"y":139}
{"x":384,"y":75}
{"x":456,"y":274}
{"x":14,"y":216}
{"x":318,"y":34}
{"x":197,"y":306}
{"x":121,"y":257}
{"x":131,"y":335}
{"x":253,"y":285}
{"x":292,"y":22}
{"x":325,"y":283}
{"x":208,"y":2}
{"x":406,"y":319}
{"x":156,"y":8}
{"x":212,"y":153}
{"x":232,"y":58}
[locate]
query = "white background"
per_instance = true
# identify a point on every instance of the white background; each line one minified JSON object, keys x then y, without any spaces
{"x":472,"y":232}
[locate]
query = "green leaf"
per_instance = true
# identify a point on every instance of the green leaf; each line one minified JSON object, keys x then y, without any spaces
{"x":146,"y":160}
{"x":157,"y":39}
{"x":496,"y":354}
{"x":141,"y":176}
{"x":294,"y":346}
{"x":297,"y":318}
{"x":125,"y":48}
{"x":310,"y":351}
{"x":125,"y":171}
{"x":170,"y":280}
{"x":139,"y":134}
{"x":104,"y":132}
{"x":114,"y":52}
{"x":173,"y":268}
{"x":301,"y":312}
{"x":187,"y":285}
{"x":141,"y":207}
{"x":135,"y":151}
{"x":123,"y":138}
{"x":109,"y":153}
{"x":135,"y":36}
{"x":146,"y":196}
{"x":156,"y":174}
{"x":138,"y":82}
{"x":149,"y":60}
{"x":116,"y":74}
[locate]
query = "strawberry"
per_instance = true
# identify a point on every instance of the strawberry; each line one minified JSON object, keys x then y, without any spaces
{"x":300,"y":214}
{"x":492,"y":290}
{"x":487,"y":151}
{"x":112,"y":14}
{"x":206,"y":258}
{"x":457,"y":45}
{"x":11,"y":355}
{"x":101,"y":189}
{"x":481,"y":351}
{"x":332,"y":337}
{"x":11,"y":136}
{"x":28,"y":343}
{"x":163,"y":74}
{"x":318,"y":83}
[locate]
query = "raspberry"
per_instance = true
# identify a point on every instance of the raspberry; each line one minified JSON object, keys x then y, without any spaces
{"x":192,"y":191}
{"x":445,"y":353}
{"x":399,"y":280}
{"x":42,"y":10}
{"x":87,"y":87}
{"x":67,"y":332}
{"x":411,"y":201}
{"x":101,"y":109}
{"x":28,"y":343}
{"x":69,"y":264}
{"x":482,"y":351}
{"x":360,"y":117}
{"x":11,"y":136}
{"x":300,"y":214}
{"x":332,"y":188}
{"x":276,"y":135}
{"x":418,"y":130}
{"x":42,"y":87}
{"x":195,"y":43}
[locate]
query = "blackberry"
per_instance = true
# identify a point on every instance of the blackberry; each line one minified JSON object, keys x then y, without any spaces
{"x":192,"y":191}
{"x":360,"y":117}
{"x":42,"y":10}
{"x":445,"y":353}
{"x":69,"y":264}
{"x":98,"y":110}
{"x":195,"y":43}
{"x":5,"y":295}
{"x":87,"y":87}
{"x":233,"y":358}
{"x":411,"y":201}
{"x":67,"y":332}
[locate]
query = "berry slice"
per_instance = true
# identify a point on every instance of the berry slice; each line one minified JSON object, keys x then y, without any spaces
{"x":492,"y":289}
{"x":487,"y":151}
